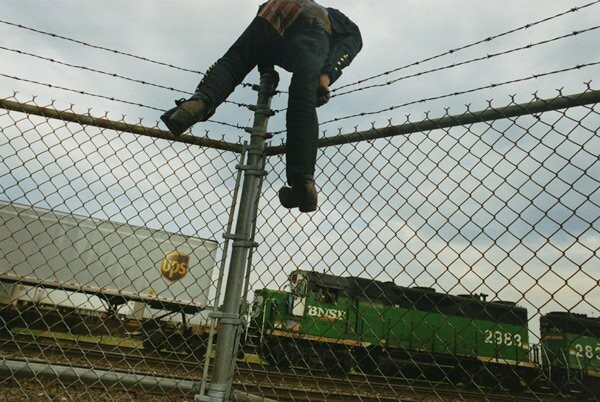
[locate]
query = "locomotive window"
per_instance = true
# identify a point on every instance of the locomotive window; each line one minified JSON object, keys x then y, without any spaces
{"x":329,"y":295}
{"x":299,"y":288}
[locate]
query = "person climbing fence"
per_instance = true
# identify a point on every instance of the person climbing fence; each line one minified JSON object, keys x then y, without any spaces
{"x":312,"y":42}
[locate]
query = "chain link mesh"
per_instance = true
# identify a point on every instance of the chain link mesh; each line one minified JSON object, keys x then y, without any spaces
{"x":442,"y":264}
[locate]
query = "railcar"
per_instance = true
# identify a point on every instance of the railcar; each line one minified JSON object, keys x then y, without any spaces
{"x":85,"y":276}
{"x":342,"y":323}
{"x":570,"y":351}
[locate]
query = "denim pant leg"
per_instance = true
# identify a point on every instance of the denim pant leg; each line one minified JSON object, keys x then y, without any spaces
{"x":258,"y":42}
{"x":304,"y":50}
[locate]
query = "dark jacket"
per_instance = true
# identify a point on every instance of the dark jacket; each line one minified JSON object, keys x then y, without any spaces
{"x":345,"y":43}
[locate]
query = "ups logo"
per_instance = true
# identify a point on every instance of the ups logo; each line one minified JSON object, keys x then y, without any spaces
{"x":175,"y":266}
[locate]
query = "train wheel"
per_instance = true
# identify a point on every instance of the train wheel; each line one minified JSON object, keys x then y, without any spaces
{"x":462,"y":373}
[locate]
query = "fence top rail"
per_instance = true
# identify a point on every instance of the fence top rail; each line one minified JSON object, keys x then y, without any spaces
{"x":121,"y":126}
{"x":491,"y":113}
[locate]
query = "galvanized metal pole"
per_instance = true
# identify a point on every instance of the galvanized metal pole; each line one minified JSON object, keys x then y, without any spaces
{"x":229,"y":316}
{"x":213,"y":323}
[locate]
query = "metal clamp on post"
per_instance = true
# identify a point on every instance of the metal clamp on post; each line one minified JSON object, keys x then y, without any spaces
{"x":218,"y":394}
{"x":252,"y":170}
{"x":240,"y":241}
{"x":265,"y":111}
{"x":257,"y":87}
{"x":259,"y":132}
{"x":226,"y":318}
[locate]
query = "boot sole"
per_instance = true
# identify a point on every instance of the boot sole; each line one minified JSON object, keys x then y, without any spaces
{"x":287,"y":201}
{"x":173,"y":129}
{"x":308,"y":207}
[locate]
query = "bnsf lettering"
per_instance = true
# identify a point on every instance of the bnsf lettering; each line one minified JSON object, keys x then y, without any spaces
{"x":330,"y":313}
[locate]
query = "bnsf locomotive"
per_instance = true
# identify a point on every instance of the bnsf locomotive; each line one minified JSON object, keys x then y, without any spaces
{"x":343,"y":323}
{"x":571,"y":349}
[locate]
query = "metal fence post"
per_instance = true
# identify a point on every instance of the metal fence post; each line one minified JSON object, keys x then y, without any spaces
{"x":229,"y":316}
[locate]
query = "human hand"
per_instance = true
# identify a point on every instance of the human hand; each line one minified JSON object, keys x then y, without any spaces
{"x":323,"y":94}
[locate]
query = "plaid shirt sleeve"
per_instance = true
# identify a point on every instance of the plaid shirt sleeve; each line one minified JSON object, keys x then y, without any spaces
{"x":281,"y":13}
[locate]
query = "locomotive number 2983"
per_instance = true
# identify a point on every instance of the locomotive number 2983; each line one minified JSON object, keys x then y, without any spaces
{"x":502,"y":338}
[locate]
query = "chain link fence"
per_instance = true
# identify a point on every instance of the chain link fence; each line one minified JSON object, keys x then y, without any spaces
{"x":451,"y":258}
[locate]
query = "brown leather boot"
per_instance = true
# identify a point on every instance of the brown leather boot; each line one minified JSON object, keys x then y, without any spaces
{"x":302,"y":195}
{"x":184,"y":115}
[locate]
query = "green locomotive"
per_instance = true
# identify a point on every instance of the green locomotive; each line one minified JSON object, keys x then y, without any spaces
{"x":571,"y":349}
{"x":340,"y":323}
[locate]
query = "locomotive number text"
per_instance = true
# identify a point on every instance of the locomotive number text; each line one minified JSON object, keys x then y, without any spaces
{"x":587,"y":351}
{"x":502,"y":338}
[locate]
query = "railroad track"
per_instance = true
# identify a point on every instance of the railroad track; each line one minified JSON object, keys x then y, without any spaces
{"x":294,"y":385}
{"x":78,"y":352}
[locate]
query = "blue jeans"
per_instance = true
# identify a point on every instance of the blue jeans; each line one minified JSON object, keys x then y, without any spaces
{"x":302,"y":51}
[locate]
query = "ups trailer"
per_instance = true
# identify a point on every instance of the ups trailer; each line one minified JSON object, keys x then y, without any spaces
{"x":61,"y":271}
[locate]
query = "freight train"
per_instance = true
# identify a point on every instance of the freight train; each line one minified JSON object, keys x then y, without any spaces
{"x":343,"y":323}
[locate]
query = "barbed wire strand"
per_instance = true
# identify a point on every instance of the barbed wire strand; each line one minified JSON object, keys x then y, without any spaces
{"x":493,"y":85}
{"x":110,"y":98}
{"x":114,"y":75}
{"x":98,"y":47}
{"x":476,"y":59}
{"x":114,"y":51}
{"x":455,"y":50}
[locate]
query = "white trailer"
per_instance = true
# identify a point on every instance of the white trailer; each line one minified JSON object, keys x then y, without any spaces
{"x":67,"y":260}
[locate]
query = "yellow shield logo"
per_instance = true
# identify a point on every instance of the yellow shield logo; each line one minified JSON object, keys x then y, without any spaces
{"x":175,"y":266}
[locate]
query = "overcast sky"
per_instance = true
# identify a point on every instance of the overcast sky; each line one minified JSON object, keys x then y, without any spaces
{"x":193,"y":34}
{"x":396,"y":33}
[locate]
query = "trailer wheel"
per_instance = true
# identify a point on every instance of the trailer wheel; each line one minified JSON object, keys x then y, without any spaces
{"x":153,"y":336}
{"x":154,"y":343}
{"x":197,"y":345}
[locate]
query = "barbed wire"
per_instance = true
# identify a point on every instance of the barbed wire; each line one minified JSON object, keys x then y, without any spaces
{"x":81,"y":92}
{"x":110,"y":98}
{"x":455,"y":50}
{"x":334,"y":92}
{"x":98,"y":47}
{"x":493,"y":85}
{"x":80,"y":42}
{"x":463,"y":63}
{"x":476,"y":59}
{"x":113,"y":75}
